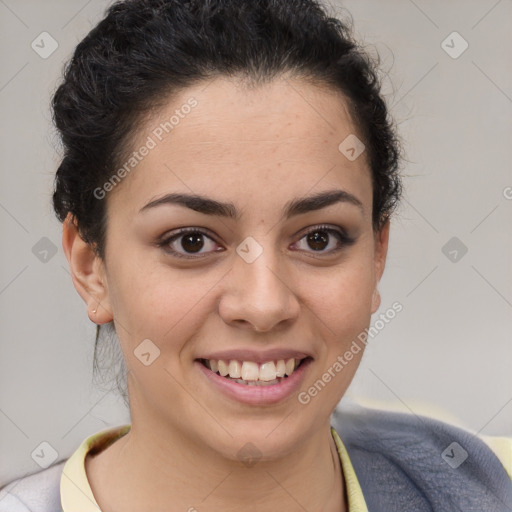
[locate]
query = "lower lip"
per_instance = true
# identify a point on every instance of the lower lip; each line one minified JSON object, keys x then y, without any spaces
{"x":258,"y":395}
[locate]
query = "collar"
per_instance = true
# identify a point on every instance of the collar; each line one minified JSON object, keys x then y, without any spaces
{"x":76,"y":493}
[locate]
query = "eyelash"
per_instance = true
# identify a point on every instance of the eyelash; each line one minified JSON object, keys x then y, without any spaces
{"x":343,"y":240}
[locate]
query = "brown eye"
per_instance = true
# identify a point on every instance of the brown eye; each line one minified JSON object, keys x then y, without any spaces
{"x":318,"y":240}
{"x":324,"y":240}
{"x":192,"y":242}
{"x":187,"y":242}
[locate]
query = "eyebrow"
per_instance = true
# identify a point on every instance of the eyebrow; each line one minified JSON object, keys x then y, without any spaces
{"x":297,"y":206}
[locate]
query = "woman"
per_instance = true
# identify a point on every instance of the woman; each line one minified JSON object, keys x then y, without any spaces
{"x":229,"y":176}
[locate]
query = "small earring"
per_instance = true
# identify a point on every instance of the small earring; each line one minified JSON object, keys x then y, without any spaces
{"x":94,"y":311}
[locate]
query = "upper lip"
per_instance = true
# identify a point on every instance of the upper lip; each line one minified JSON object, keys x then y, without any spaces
{"x":256,"y":356}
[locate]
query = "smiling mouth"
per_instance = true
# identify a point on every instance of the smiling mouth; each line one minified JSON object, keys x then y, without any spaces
{"x":251,"y":373}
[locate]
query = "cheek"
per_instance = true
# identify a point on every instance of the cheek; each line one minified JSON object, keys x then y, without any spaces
{"x":160,"y":304}
{"x":343,"y":295}
{"x":341,"y":305}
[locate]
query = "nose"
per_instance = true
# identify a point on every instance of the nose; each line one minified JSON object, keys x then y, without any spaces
{"x":259,"y":295}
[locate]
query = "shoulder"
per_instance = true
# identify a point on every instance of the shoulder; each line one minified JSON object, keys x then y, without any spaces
{"x":36,"y":492}
{"x":46,"y":491}
{"x":430,"y":462}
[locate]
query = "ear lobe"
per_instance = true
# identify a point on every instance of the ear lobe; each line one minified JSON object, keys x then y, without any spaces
{"x":87,"y":272}
{"x":381,"y":250}
{"x":375,"y":300}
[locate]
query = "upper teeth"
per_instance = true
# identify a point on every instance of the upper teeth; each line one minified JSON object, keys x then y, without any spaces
{"x":251,"y":371}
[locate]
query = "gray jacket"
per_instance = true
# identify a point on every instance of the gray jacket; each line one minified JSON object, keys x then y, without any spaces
{"x":404,"y":463}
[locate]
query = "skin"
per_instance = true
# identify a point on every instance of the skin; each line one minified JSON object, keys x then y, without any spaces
{"x":258,"y":149}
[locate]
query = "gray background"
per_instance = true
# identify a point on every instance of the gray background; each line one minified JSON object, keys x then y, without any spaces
{"x":449,"y":349}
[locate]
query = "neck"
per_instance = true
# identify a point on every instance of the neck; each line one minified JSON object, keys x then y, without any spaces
{"x":155,"y":465}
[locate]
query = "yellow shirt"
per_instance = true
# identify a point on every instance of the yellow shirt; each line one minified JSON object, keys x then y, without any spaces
{"x":76,"y":493}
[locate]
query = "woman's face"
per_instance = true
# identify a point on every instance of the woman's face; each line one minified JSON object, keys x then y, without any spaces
{"x":248,"y":284}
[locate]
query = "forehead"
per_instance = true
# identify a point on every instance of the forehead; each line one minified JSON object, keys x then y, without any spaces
{"x":265,"y":143}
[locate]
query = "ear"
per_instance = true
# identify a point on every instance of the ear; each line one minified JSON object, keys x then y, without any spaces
{"x":88,"y":273}
{"x":381,"y":251}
